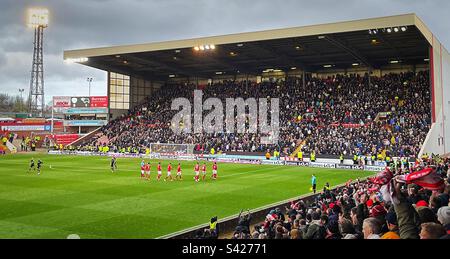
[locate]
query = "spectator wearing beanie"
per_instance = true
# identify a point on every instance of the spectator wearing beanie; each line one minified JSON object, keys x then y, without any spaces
{"x":391,"y":221}
{"x":421,"y":203}
{"x":443,"y":216}
{"x":378,"y":212}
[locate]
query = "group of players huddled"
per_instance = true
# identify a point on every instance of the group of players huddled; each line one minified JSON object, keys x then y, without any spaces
{"x":146,"y":168}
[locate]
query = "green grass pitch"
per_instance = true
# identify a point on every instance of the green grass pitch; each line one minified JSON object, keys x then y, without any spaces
{"x":80,"y":195}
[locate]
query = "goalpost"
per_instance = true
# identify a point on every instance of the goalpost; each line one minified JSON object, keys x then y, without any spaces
{"x":180,"y":149}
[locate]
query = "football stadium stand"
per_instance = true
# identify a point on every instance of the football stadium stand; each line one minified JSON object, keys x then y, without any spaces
{"x":334,"y":115}
{"x":371,"y":87}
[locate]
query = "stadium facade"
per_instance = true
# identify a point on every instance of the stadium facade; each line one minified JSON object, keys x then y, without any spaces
{"x":376,"y":46}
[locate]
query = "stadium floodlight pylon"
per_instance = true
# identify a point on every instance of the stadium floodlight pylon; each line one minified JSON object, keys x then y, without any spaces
{"x":37,"y":19}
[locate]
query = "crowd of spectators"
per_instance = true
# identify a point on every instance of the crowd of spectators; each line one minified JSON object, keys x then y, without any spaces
{"x":358,"y":210}
{"x":343,"y":114}
{"x":351,"y":107}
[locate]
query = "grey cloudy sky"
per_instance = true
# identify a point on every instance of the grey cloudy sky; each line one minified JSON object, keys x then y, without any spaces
{"x":94,"y":23}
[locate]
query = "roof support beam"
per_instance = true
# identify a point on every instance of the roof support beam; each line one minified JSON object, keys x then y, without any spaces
{"x":143,"y":61}
{"x":117,"y":69}
{"x":352,"y":51}
{"x":383,"y":40}
{"x":288,"y":61}
{"x":228,"y":65}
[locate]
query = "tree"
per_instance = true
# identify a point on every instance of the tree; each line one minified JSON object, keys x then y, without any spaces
{"x":10,"y":103}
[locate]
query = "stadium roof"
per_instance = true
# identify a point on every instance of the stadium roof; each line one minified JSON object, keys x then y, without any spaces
{"x":312,"y":48}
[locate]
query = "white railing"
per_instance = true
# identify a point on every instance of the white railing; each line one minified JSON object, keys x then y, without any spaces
{"x":11,"y":147}
{"x":85,"y":136}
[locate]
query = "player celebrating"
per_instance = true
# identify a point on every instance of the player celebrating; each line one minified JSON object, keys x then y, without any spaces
{"x":214,"y":171}
{"x":179,"y":172}
{"x":169,"y":172}
{"x":159,"y":171}
{"x":197,"y":171}
{"x":147,"y":170}
{"x":203,"y":171}
{"x":39,"y":165}
{"x":31,"y":165}
{"x":113,"y":164}
{"x":143,"y":169}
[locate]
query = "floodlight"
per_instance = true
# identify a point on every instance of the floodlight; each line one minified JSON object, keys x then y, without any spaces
{"x":76,"y":60}
{"x":37,"y":17}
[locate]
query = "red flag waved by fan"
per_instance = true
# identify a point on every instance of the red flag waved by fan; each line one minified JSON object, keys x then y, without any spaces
{"x":382,"y":177}
{"x":426,"y":178}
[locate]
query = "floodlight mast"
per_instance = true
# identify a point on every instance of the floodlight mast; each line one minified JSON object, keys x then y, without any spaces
{"x":37,"y":19}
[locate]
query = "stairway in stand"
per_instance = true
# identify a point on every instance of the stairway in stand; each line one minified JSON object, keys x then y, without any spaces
{"x":299,"y":147}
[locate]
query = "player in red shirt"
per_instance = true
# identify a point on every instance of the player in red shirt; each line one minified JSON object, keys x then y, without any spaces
{"x":159,"y":171}
{"x":169,"y":172}
{"x":197,"y":171}
{"x":147,"y":171}
{"x":214,"y":171}
{"x":203,"y":171}
{"x":179,"y":172}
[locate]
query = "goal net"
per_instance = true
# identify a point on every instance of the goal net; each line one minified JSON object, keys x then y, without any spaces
{"x":162,"y":148}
